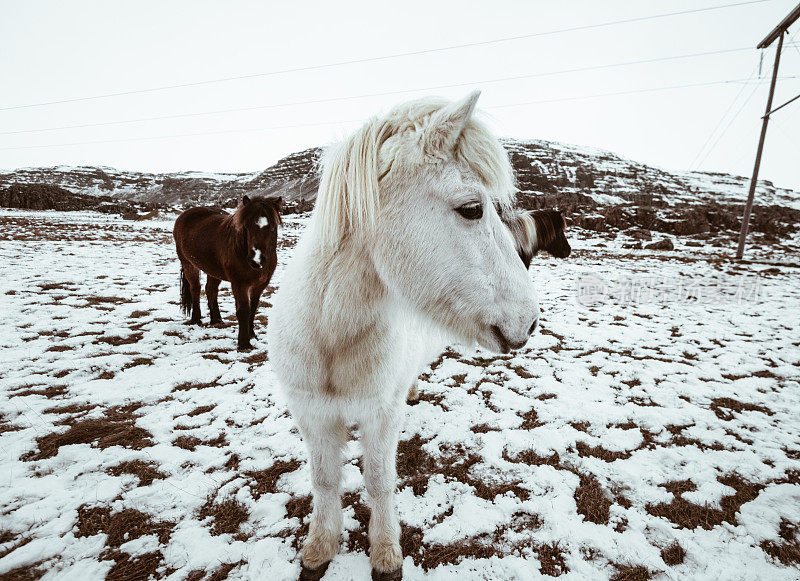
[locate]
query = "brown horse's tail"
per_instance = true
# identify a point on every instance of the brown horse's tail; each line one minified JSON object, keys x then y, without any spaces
{"x":186,"y":294}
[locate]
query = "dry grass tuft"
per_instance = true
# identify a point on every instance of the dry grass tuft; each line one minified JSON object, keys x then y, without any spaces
{"x":585,"y":450}
{"x":122,"y":526}
{"x":25,"y":573}
{"x":227,"y":516}
{"x":591,"y":500}
{"x":259,"y":357}
{"x":551,"y":558}
{"x":724,"y":406}
{"x":530,"y":420}
{"x":631,"y":573}
{"x":265,"y":481}
{"x":192,"y":442}
{"x":531,"y":458}
{"x":200,"y":410}
{"x":146,"y":472}
{"x":117,"y":341}
{"x":127,"y":568}
{"x":191,"y":385}
{"x":359,"y":539}
{"x":787,"y":552}
{"x":116,"y":428}
{"x":687,"y":515}
{"x":673,"y":555}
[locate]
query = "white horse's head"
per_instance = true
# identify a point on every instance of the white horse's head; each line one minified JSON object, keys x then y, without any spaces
{"x":415,"y":192}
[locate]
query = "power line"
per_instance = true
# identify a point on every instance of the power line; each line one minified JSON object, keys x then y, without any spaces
{"x":728,"y":126}
{"x":615,"y":93}
{"x":156,"y":137}
{"x":384,"y":57}
{"x":631,"y":92}
{"x":722,"y":119}
{"x":382,"y":94}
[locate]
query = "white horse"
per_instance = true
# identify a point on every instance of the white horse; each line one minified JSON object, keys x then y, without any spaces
{"x":405,"y":251}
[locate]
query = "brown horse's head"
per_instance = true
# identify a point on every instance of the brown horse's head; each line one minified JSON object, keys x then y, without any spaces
{"x":256,"y":221}
{"x":550,"y":226}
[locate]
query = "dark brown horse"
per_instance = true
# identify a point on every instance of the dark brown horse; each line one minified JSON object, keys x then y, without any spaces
{"x":240,"y":248}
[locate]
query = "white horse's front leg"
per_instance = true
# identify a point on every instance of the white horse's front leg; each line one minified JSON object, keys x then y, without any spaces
{"x":379,"y":438}
{"x":324,"y":442}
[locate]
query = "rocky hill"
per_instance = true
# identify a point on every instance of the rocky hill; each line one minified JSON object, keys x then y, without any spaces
{"x":597,"y":189}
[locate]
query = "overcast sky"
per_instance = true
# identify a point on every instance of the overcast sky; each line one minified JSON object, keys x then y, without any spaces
{"x":55,"y":51}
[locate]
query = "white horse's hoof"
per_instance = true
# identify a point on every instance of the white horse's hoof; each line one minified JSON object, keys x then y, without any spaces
{"x":396,"y":575}
{"x":307,"y":574}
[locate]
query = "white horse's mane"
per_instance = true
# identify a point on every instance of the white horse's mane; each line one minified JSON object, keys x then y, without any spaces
{"x":349,"y":194}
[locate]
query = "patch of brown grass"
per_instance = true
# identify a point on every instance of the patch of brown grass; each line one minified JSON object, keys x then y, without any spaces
{"x":187,"y":385}
{"x":358,"y":539}
{"x":56,"y":286}
{"x":591,"y":500}
{"x":98,"y":300}
{"x":226,"y":516}
{"x":59,"y":348}
{"x":192,"y":442}
{"x":73,"y":408}
{"x":687,"y":515}
{"x":24,"y":573}
{"x":117,"y":341}
{"x":483,"y":429}
{"x":146,"y":472}
{"x":200,"y":410}
{"x":120,"y":527}
{"x":259,"y":357}
{"x":138,"y":314}
{"x":788,"y":551}
{"x":724,"y":406}
{"x":631,"y":573}
{"x":116,"y":428}
{"x":530,"y":420}
{"x":137,"y":361}
{"x":127,"y":568}
{"x":585,"y":450}
{"x":51,"y":391}
{"x":551,"y":559}
{"x":673,"y":555}
{"x":415,"y":467}
{"x":265,"y":481}
{"x":531,"y":458}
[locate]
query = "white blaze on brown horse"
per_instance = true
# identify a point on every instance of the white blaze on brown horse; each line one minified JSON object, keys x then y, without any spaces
{"x":240,"y":248}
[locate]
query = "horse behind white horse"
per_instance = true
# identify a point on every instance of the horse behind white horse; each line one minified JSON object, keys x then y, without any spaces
{"x":405,"y":251}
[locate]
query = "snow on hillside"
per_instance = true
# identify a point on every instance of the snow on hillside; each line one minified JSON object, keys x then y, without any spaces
{"x":542,"y":167}
{"x":650,"y":430}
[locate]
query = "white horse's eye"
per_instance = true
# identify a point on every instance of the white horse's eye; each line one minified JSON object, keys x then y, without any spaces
{"x":471,"y":211}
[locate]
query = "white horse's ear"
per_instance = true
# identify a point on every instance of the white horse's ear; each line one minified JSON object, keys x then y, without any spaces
{"x":448,"y":124}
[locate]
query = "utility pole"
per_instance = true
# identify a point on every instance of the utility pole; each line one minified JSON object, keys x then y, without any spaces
{"x":777,"y":33}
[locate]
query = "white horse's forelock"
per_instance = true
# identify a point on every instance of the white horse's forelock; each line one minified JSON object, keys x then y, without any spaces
{"x":349,"y":195}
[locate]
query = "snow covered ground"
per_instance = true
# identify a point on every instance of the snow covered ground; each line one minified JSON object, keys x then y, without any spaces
{"x":651,"y":430}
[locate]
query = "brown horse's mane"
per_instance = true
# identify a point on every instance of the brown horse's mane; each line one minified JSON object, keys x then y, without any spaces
{"x":236,"y":226}
{"x":548,"y":225}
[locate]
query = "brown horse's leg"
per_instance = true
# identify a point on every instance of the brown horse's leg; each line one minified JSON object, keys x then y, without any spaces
{"x":255,"y":296}
{"x":242,"y":296}
{"x":212,"y":288}
{"x":192,"y":275}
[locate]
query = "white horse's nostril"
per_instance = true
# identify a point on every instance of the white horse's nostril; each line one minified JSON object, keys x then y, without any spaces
{"x":533,"y":327}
